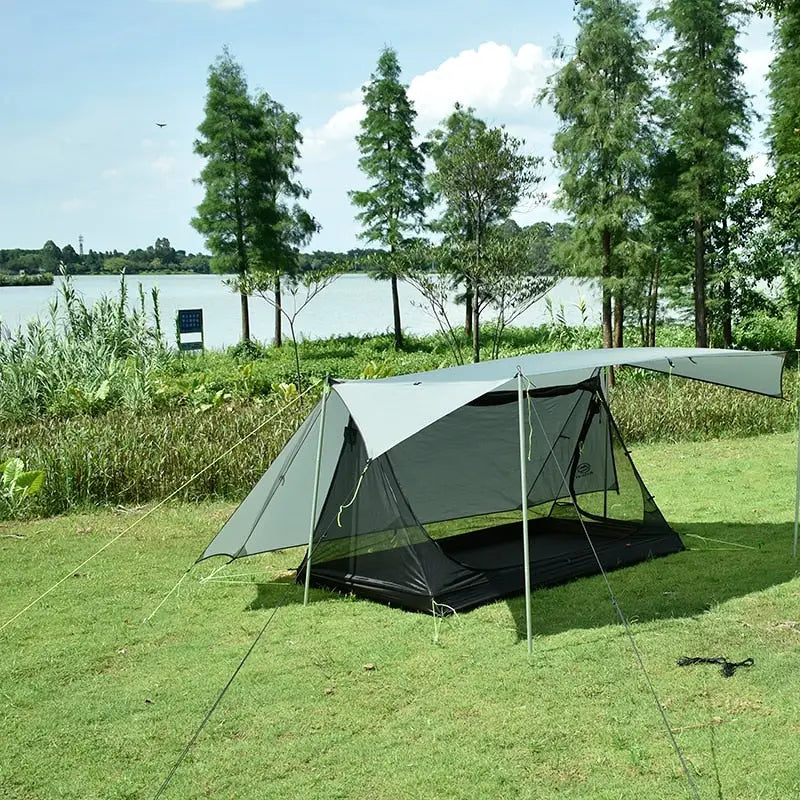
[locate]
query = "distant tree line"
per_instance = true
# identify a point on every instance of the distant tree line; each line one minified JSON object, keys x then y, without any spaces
{"x":160,"y":257}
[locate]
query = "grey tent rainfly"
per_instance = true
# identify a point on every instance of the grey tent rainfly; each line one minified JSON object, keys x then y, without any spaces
{"x":459,"y":486}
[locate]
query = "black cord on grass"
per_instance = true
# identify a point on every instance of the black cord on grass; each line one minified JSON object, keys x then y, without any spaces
{"x":225,"y":688}
{"x":727,"y":668}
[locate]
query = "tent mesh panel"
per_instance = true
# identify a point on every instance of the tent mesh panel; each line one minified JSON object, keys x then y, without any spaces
{"x":388,"y":529}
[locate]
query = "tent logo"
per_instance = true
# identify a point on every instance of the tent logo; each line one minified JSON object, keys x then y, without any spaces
{"x":584,"y":469}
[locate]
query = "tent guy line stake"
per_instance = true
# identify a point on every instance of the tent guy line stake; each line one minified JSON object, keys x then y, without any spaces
{"x":623,"y":619}
{"x":225,"y":688}
{"x":312,"y":524}
{"x":523,"y":480}
{"x":151,"y":511}
{"x":167,"y":595}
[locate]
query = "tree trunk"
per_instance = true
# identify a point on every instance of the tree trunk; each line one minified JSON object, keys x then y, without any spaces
{"x":653,"y":309}
{"x":727,"y":321}
{"x":797,"y":331}
{"x":619,"y":315}
{"x":245,"y":317}
{"x":468,"y":312}
{"x":278,"y":340}
{"x":700,"y":325}
{"x":398,"y":332}
{"x":476,"y":328}
{"x":607,"y":340}
{"x":727,"y":294}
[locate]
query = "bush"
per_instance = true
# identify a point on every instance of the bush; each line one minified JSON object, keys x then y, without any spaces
{"x":763,"y":331}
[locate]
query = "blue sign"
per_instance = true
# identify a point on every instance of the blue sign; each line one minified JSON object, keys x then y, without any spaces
{"x":190,"y":320}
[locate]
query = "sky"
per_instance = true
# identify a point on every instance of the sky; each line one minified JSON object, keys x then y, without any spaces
{"x":84,"y":84}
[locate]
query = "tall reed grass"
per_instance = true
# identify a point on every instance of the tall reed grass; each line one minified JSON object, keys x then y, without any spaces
{"x":128,"y":459}
{"x":659,"y":408}
{"x":81,"y":358}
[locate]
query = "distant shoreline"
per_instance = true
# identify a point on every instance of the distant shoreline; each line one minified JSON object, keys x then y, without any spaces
{"x":42,"y":279}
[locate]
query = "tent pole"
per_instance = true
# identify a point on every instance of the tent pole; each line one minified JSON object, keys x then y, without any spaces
{"x":523,"y":478}
{"x":606,"y":435}
{"x":325,"y":390}
{"x":797,"y":486}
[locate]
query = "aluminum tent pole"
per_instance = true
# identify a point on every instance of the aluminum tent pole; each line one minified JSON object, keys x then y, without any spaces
{"x":325,"y":390}
{"x":523,"y":479}
{"x":797,"y":486}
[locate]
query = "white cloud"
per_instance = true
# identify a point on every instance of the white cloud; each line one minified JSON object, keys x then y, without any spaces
{"x":341,"y":127}
{"x":221,"y":5}
{"x":492,"y":78}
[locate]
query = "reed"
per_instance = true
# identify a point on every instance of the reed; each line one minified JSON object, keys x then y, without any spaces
{"x":128,"y":459}
{"x":82,"y":359}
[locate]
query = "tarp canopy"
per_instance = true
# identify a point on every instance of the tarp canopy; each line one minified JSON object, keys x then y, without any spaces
{"x":387,"y":412}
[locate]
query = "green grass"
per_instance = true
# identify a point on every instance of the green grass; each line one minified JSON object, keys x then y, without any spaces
{"x":96,"y":704}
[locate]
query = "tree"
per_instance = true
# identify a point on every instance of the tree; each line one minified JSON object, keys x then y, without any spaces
{"x":295,"y":225}
{"x":481,"y":175}
{"x":302,"y":287}
{"x":69,"y":257}
{"x":784,"y":145}
{"x":163,"y":251}
{"x":601,"y":96}
{"x":237,"y":215}
{"x":395,"y":201}
{"x":706,"y":115}
{"x":51,"y":257}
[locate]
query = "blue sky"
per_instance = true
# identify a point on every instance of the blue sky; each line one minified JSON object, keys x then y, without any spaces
{"x":83,"y":85}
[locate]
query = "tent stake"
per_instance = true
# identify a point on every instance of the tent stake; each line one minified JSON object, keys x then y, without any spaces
{"x":325,"y":390}
{"x":523,"y":477}
{"x":797,"y":486}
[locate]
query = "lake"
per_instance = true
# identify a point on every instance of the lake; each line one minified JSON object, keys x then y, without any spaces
{"x":352,"y":304}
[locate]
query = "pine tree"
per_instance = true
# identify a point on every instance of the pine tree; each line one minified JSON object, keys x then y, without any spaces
{"x":784,"y":144}
{"x":706,"y":116}
{"x":601,"y":95}
{"x":238,"y":215}
{"x":394,"y":203}
{"x":295,"y":225}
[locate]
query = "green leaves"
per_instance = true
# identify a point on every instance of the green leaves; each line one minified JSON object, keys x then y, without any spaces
{"x":17,"y":484}
{"x":249,"y":214}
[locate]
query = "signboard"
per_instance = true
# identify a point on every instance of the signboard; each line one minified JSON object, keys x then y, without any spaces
{"x":190,"y":320}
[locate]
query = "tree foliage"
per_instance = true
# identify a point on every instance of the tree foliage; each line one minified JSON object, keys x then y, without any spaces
{"x":394,"y":203}
{"x":295,"y":226}
{"x":784,"y":146}
{"x":705,"y":115}
{"x":481,"y":175}
{"x":601,"y":96}
{"x":238,"y":215}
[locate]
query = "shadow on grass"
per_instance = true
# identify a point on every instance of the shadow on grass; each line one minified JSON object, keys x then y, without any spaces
{"x":722,"y":561}
{"x":712,"y":570}
{"x":283,"y":591}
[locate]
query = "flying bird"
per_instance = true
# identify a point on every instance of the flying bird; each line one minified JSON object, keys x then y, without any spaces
{"x":161,"y":124}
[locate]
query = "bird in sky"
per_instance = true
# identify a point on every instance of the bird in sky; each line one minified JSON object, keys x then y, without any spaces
{"x":161,"y":124}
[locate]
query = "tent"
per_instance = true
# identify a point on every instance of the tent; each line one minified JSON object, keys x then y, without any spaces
{"x":463,"y":485}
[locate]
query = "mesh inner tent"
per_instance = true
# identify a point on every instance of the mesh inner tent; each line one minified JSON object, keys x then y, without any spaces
{"x":437,"y":517}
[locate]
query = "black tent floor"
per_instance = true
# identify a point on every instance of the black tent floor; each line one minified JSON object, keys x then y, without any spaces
{"x":480,"y":566}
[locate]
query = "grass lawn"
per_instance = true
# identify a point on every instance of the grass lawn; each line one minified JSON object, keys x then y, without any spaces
{"x":352,"y":700}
